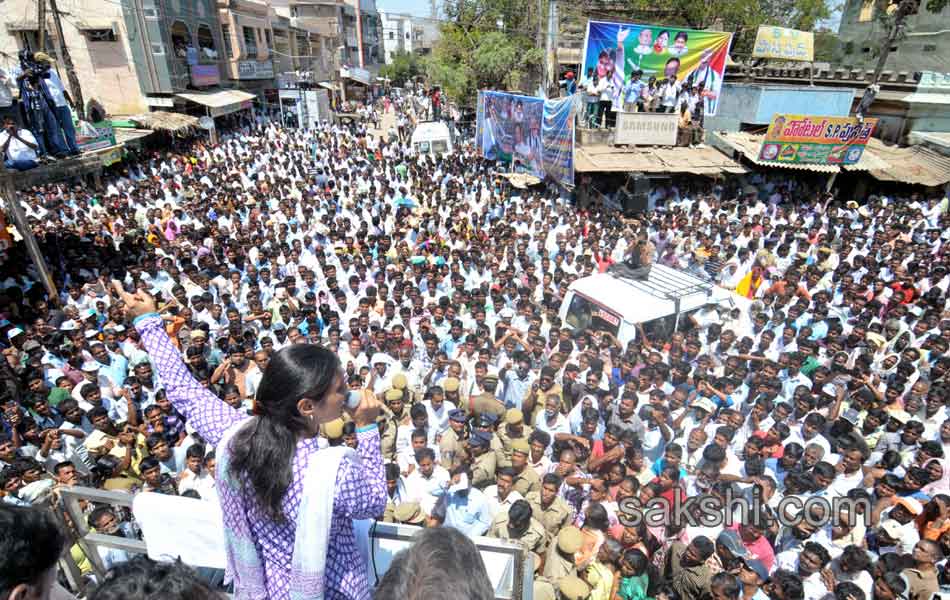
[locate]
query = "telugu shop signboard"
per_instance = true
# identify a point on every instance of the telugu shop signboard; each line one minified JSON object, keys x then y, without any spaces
{"x":816,"y":140}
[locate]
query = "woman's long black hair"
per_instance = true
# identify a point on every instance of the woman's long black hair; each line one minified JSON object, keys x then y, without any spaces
{"x":262,"y":451}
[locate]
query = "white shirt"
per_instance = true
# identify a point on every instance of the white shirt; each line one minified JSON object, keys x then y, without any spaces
{"x":17,"y":150}
{"x":422,"y":490}
{"x":497,"y":505}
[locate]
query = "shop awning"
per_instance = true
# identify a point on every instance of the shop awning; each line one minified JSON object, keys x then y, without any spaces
{"x":130,"y":135}
{"x":329,"y":85}
{"x":747,"y":145}
{"x":93,"y":24}
{"x":918,"y":165}
{"x":22,"y":25}
{"x":610,"y":159}
{"x":221,"y":102}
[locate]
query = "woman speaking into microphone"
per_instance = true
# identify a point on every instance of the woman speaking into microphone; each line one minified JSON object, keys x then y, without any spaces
{"x":288,"y":506}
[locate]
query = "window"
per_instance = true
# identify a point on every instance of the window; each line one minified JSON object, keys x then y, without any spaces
{"x":930,"y":48}
{"x":867,"y":11}
{"x":206,"y":47}
{"x":866,"y":49}
{"x":392,"y":35}
{"x":158,"y":49}
{"x":150,"y":13}
{"x":181,"y":39}
{"x":269,"y":39}
{"x":303,"y":45}
{"x":250,"y":43}
{"x":226,"y":34}
{"x":585,"y":314}
{"x":101,"y":35}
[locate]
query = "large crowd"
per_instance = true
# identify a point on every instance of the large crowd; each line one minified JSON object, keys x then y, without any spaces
{"x":438,"y":286}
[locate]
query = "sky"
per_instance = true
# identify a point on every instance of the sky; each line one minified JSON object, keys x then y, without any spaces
{"x":418,"y":8}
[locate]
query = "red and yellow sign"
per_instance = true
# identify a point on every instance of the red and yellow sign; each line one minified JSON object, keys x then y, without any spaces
{"x":816,"y":140}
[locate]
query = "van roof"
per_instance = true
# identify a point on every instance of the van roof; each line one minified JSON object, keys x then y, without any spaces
{"x":430,"y":130}
{"x":642,"y":301}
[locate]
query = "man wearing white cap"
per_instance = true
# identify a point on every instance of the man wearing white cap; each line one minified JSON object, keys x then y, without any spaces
{"x":382,"y":375}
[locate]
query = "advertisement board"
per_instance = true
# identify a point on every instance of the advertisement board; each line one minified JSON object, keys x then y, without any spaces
{"x":532,"y":134}
{"x":94,"y":136}
{"x":646,"y":129}
{"x":256,"y":69}
{"x":204,"y":75}
{"x":616,"y":50}
{"x":816,"y":140}
{"x":784,"y":44}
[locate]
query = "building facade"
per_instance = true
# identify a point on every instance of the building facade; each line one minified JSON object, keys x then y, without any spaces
{"x":407,"y":33}
{"x":176,"y":46}
{"x":106,"y":49}
{"x":248,"y":44}
{"x":926,"y":46}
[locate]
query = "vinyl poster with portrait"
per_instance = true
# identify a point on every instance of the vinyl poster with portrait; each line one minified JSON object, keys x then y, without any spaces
{"x":532,"y":134}
{"x":617,"y":50}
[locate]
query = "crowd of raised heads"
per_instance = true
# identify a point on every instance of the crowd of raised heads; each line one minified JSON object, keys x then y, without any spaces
{"x":438,"y":286}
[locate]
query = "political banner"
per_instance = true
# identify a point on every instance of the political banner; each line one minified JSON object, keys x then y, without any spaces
{"x":693,"y":57}
{"x":533,"y":135}
{"x":816,"y":140}
{"x":784,"y":44}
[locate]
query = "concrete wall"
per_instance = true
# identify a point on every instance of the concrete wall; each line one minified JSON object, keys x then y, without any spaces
{"x":755,"y":104}
{"x":926,"y":46}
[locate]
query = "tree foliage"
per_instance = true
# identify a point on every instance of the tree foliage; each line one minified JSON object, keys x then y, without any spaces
{"x":404,"y":66}
{"x":486,"y":44}
{"x":742,"y":17}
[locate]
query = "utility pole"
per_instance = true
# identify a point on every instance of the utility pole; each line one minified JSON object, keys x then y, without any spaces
{"x":41,"y":24}
{"x":903,"y":10}
{"x":63,"y":51}
{"x":539,"y":42}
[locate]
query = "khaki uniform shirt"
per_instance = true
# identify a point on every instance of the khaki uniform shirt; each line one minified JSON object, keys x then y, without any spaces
{"x":486,"y":403}
{"x":483,"y":470}
{"x":526,"y":482}
{"x":449,"y":449}
{"x":534,"y":539}
{"x":922,"y":585}
{"x":554,"y":517}
{"x":507,"y":440}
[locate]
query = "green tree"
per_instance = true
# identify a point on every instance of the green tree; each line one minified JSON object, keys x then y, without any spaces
{"x":742,"y":17}
{"x":404,"y":66}
{"x":486,"y":44}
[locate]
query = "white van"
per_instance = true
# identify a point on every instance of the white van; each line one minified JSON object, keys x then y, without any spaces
{"x":432,"y":137}
{"x":660,"y":303}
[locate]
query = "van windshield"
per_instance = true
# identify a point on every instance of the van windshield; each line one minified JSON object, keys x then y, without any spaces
{"x":440,"y":146}
{"x":422,"y":147}
{"x":584,"y":313}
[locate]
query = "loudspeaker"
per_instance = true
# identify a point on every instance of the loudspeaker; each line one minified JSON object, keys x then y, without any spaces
{"x":638,"y":198}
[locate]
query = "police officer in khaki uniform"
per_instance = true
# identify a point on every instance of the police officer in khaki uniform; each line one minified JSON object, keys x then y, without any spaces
{"x":451,"y":445}
{"x":389,"y":431}
{"x":399,"y":382}
{"x":526,"y":480}
{"x":483,"y":459}
{"x":513,"y":429}
{"x":488,"y":423}
{"x":409,"y":513}
{"x":486,"y":402}
{"x":559,"y":560}
{"x":517,"y":525}
{"x":451,"y":385}
{"x":573,"y":588}
{"x":549,"y":508}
